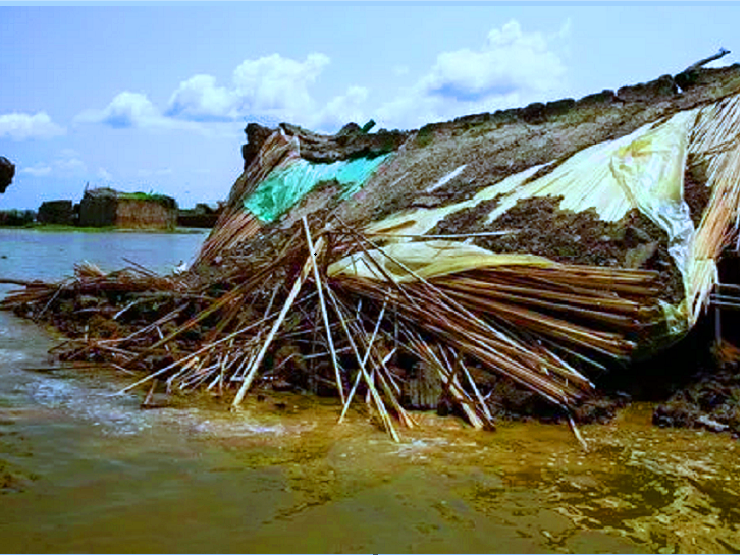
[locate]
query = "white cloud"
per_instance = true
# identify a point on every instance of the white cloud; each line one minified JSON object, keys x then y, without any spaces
{"x":511,"y":61}
{"x":39,"y":170}
{"x":512,"y":68}
{"x":274,"y":84}
{"x":565,"y":29}
{"x":70,"y":165}
{"x":128,"y":109}
{"x":341,"y":110}
{"x":19,"y":126}
{"x":66,"y":164}
{"x":104,"y":174}
{"x":401,"y":69}
{"x":200,"y":99}
{"x":270,"y":87}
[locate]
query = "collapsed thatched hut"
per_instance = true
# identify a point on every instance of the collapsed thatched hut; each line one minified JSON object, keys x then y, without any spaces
{"x":533,"y":245}
{"x":585,"y":230}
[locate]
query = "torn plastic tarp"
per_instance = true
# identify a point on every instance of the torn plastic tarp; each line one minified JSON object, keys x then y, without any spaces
{"x":643,"y":170}
{"x":426,"y":260}
{"x":285,"y":187}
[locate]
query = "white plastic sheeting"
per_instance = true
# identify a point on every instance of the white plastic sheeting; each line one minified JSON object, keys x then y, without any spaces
{"x":404,"y":262}
{"x":643,"y":170}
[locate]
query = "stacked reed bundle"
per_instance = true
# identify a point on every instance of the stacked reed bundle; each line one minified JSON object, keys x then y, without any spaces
{"x":526,"y":323}
{"x":89,"y":279}
{"x":235,"y":225}
{"x":715,"y":142}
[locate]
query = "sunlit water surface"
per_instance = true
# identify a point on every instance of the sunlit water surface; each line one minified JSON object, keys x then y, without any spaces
{"x":85,"y":470}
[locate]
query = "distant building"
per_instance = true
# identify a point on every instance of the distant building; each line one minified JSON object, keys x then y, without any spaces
{"x":105,"y":207}
{"x":59,"y":212}
{"x":202,"y":215}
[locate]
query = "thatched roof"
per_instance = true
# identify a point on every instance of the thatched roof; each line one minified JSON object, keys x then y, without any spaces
{"x":524,"y":239}
{"x":542,"y":244}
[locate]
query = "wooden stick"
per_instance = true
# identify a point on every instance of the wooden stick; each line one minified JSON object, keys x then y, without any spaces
{"x":190,"y":356}
{"x":576,"y":433}
{"x":481,"y":402}
{"x":363,"y":365}
{"x":385,"y":418}
{"x":696,"y":65}
{"x":26,"y":283}
{"x":322,"y":305}
{"x":148,"y":400}
{"x":252,"y":372}
{"x":449,"y":236}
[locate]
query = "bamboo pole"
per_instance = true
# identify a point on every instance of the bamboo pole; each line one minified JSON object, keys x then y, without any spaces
{"x":252,"y":372}
{"x":363,"y":365}
{"x":322,"y":305}
{"x":385,"y":418}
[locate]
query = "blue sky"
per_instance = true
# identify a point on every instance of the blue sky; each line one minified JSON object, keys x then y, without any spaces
{"x":156,"y":97}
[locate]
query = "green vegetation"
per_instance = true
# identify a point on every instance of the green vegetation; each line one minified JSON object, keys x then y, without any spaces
{"x":164,"y":200}
{"x":424,"y":137}
{"x":17,"y":218}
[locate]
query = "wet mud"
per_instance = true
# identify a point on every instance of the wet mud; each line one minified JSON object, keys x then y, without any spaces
{"x":712,"y":399}
{"x":542,"y":229}
{"x":280,"y":475}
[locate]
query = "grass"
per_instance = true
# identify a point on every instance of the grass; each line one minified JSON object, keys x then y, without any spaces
{"x":425,"y":137}
{"x":164,"y":200}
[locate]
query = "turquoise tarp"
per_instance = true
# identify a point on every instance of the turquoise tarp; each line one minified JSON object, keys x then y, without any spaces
{"x":284,"y":188}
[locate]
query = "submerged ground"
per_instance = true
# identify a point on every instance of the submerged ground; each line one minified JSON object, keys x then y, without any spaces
{"x":86,"y":471}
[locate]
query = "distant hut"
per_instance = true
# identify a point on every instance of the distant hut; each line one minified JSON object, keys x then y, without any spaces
{"x":105,"y":207}
{"x":56,"y":212}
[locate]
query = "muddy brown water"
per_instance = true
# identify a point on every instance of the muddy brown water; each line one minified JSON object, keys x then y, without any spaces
{"x":85,"y":470}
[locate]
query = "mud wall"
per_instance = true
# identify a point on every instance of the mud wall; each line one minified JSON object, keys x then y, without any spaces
{"x":141,"y":214}
{"x":98,"y":211}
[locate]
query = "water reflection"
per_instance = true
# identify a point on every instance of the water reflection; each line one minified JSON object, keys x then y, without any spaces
{"x":33,"y":254}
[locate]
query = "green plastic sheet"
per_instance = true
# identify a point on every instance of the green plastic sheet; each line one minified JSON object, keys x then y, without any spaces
{"x":285,"y":187}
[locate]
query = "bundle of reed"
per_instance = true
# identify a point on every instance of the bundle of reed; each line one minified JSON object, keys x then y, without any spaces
{"x":522,"y":321}
{"x":715,"y":142}
{"x":235,"y":225}
{"x":91,"y":280}
{"x":233,"y":353}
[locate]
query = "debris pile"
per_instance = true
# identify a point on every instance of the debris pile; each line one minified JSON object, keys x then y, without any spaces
{"x":7,"y":171}
{"x":537,"y":246}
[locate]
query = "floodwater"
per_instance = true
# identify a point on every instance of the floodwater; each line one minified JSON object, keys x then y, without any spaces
{"x":85,"y":470}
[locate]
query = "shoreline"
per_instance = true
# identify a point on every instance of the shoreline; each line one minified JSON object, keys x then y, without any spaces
{"x":65,"y":228}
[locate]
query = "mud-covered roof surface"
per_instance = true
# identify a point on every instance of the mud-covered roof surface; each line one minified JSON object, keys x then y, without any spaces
{"x":495,"y":145}
{"x":449,"y":162}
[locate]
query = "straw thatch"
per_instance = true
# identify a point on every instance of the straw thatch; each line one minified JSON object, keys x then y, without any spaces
{"x":543,"y":245}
